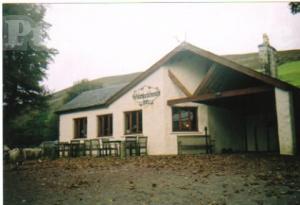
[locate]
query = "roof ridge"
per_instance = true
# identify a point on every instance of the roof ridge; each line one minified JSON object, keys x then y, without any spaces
{"x":207,"y":54}
{"x":185,"y":46}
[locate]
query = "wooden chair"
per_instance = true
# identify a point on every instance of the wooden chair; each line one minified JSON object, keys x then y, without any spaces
{"x":87,"y":147}
{"x":117,"y":149}
{"x":74,"y":148}
{"x":95,"y":146}
{"x":114,"y":148}
{"x":142,"y":145}
{"x":63,"y":148}
{"x":131,"y":145}
{"x":104,"y":147}
{"x":108,"y":148}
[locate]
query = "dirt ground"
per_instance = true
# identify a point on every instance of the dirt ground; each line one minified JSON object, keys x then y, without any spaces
{"x":201,"y":180}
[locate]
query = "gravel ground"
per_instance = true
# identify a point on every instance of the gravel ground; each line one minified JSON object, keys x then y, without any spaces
{"x":202,"y":180}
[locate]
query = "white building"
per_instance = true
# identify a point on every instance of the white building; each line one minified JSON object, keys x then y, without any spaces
{"x":187,"y":90}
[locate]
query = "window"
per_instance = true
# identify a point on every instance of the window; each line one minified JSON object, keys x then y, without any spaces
{"x":184,"y":119}
{"x":133,"y":122}
{"x":105,"y":125}
{"x":80,"y":127}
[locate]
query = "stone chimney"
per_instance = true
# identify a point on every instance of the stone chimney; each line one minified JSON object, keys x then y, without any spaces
{"x":267,"y":57}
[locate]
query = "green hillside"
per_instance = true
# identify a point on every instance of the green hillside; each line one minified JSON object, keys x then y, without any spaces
{"x":251,"y":60}
{"x":290,"y":72}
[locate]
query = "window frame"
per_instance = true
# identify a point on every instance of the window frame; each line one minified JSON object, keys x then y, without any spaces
{"x":196,"y":120}
{"x":139,"y":126}
{"x":77,"y":127}
{"x":99,"y":127}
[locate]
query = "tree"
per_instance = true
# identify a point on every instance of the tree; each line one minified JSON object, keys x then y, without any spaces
{"x":295,"y":7}
{"x":23,"y":72}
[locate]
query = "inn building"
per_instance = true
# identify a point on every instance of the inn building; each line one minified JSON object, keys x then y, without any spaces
{"x":186,"y":92}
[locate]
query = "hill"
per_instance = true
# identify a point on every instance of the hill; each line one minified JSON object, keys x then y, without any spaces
{"x":290,"y":72}
{"x":251,"y":60}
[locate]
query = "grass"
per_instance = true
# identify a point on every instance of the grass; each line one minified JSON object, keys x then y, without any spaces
{"x":290,"y":72}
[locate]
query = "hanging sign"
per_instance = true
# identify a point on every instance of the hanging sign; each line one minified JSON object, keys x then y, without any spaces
{"x":146,"y":95}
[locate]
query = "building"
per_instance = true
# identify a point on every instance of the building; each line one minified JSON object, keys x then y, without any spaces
{"x":184,"y":92}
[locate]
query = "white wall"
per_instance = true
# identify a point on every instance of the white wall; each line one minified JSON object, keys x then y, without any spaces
{"x":190,"y":72}
{"x":157,"y":118}
{"x":266,"y":135}
{"x":227,"y":128}
{"x":285,"y":120}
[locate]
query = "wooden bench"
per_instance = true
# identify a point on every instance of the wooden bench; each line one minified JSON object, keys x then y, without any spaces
{"x":194,"y":144}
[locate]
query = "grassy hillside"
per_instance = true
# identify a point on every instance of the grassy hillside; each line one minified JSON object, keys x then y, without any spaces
{"x":251,"y":60}
{"x":290,"y":72}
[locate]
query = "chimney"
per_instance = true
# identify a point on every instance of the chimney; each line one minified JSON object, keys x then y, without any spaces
{"x":267,"y":57}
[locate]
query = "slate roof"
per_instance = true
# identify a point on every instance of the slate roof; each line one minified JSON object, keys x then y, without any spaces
{"x":92,"y":98}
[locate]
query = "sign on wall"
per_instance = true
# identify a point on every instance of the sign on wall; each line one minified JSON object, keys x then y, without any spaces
{"x":146,"y":95}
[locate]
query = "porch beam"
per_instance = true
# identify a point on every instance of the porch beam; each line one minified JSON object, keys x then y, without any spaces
{"x":219,"y":95}
{"x":205,"y":80}
{"x":178,"y":83}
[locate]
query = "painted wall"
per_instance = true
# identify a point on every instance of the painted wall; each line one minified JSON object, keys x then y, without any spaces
{"x":261,"y":134}
{"x":286,"y":123}
{"x":226,"y":128}
{"x":157,"y":118}
{"x":190,"y":71}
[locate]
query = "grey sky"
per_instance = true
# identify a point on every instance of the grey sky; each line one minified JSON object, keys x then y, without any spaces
{"x":97,"y":40}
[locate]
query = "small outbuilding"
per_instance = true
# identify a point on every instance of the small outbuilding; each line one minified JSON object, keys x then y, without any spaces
{"x":188,"y":90}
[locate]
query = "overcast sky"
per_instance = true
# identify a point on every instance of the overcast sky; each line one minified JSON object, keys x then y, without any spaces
{"x":97,"y":40}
